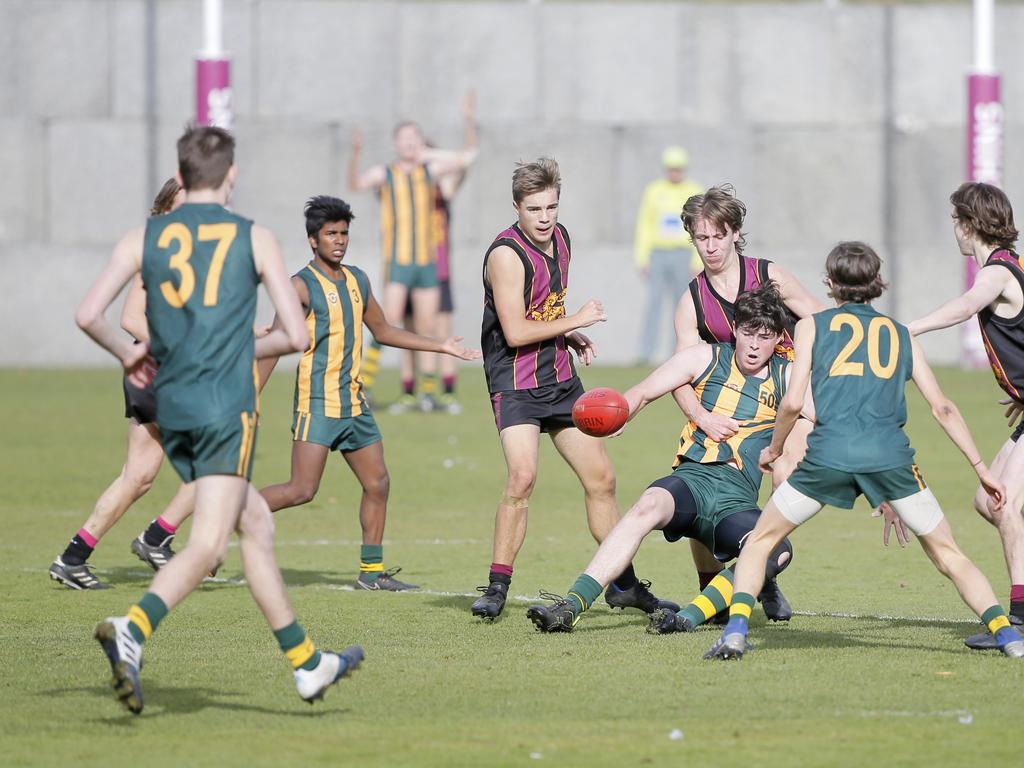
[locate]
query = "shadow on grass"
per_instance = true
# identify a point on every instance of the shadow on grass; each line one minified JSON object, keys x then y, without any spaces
{"x":187,"y":700}
{"x":302,"y":578}
{"x":885,"y":634}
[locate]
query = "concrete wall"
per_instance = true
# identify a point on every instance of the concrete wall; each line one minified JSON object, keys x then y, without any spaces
{"x":787,"y":102}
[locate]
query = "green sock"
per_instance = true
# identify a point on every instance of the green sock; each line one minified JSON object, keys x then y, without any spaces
{"x":715,"y":597}
{"x":145,"y":615}
{"x":583,"y":592}
{"x":371,"y":562}
{"x":297,"y":646}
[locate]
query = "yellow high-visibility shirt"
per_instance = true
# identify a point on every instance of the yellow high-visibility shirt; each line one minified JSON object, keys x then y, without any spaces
{"x":658,"y":226}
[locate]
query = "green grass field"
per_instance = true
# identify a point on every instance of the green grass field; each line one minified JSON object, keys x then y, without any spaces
{"x":872,"y":669}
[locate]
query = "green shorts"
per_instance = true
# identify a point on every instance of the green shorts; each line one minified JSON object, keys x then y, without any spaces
{"x":413,"y":276}
{"x":349,"y":434}
{"x":841,"y":488}
{"x":222,"y":448}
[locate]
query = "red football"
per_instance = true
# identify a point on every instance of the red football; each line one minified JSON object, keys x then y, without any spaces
{"x":600,"y":412}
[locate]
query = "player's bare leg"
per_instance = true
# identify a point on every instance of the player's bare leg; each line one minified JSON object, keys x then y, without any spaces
{"x":1008,"y":467}
{"x":368,"y":465}
{"x":426,"y":303}
{"x":520,"y":445}
{"x":308,"y":462}
{"x":653,"y":510}
{"x":772,"y":527}
{"x":144,"y":457}
{"x":589,"y":460}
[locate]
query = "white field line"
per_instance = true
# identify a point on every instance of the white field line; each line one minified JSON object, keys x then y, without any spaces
{"x":240,"y":582}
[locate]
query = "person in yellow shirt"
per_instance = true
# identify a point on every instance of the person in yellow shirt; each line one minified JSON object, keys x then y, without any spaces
{"x":665,"y":257}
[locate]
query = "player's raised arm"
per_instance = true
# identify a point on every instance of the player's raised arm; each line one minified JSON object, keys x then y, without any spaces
{"x":795,"y":400}
{"x":292,"y":336}
{"x":949,"y":418}
{"x":794,"y":295}
{"x":391,"y":336}
{"x":507,"y":277}
{"x":715,"y":425}
{"x":372,"y":177}
{"x":682,"y":368}
{"x":988,"y":286}
{"x":124,"y":263}
{"x":133,"y":313}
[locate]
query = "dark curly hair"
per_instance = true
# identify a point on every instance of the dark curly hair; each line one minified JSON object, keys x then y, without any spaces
{"x":853,"y":272}
{"x":984,"y":211}
{"x":324,"y":209}
{"x":762,"y":308}
{"x":720,"y":206}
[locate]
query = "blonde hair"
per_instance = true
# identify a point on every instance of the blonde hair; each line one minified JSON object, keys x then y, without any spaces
{"x":537,"y":176}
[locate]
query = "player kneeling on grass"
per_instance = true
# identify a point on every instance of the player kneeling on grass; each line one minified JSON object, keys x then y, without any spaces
{"x":711,"y":495}
{"x":857,"y":362}
{"x":201,"y":266}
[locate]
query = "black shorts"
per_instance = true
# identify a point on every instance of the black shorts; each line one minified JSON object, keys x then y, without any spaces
{"x":724,"y":539}
{"x":1018,"y":431}
{"x":446,"y":299}
{"x":139,"y":404}
{"x":549,"y":407}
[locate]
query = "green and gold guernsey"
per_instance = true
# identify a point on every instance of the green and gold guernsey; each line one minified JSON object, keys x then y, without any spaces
{"x":201,"y":282}
{"x":860,"y":363}
{"x":327,"y":382}
{"x":751,"y":400}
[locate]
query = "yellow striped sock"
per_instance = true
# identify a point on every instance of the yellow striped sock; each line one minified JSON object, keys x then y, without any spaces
{"x":999,"y":622}
{"x":301,"y":653}
{"x":138,"y":617}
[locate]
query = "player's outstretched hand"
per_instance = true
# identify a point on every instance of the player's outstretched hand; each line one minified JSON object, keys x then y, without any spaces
{"x":590,"y":313}
{"x":1013,"y":410}
{"x":452,"y":347}
{"x":584,"y":349}
{"x":892,"y":522}
{"x":139,"y":366}
{"x":717,"y":426}
{"x":996,"y":490}
{"x":767,"y":458}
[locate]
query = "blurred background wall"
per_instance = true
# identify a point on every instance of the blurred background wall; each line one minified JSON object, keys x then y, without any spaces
{"x":832,"y":122}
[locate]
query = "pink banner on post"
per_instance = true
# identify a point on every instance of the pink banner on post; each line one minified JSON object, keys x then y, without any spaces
{"x":213,"y":93}
{"x":985,"y":164}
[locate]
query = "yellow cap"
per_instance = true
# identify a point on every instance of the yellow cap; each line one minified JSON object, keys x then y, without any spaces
{"x":675,"y":157}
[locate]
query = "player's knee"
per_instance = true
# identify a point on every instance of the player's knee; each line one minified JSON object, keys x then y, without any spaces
{"x":379,"y":486}
{"x":303,"y":493}
{"x":601,"y":482}
{"x":520,"y":483}
{"x":779,"y":559}
{"x":647,"y":511}
{"x":139,"y":479}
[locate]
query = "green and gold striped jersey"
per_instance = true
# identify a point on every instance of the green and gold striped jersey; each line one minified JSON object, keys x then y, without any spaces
{"x":751,"y":400}
{"x":860,"y":363}
{"x":200,"y":280}
{"x":327,"y":382}
{"x":406,"y":217}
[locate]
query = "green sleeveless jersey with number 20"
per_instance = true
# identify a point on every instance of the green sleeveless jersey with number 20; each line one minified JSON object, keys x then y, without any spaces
{"x":860,"y":364}
{"x":200,"y":280}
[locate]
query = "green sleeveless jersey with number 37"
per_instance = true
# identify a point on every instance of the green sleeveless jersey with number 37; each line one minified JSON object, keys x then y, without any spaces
{"x":860,"y":364}
{"x":200,"y":280}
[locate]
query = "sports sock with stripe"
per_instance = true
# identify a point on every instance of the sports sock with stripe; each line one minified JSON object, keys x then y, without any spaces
{"x":583,"y":592}
{"x":713,"y":599}
{"x":145,"y":616}
{"x":297,"y":646}
{"x":371,"y":562}
{"x":739,"y":613}
{"x":79,"y":548}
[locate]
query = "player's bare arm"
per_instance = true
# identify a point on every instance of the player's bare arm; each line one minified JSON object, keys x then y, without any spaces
{"x":714,"y":425}
{"x":682,"y":368}
{"x":795,"y":400}
{"x":949,"y":418}
{"x":794,"y":295}
{"x":392,"y":336}
{"x":989,"y":285}
{"x":133,"y":314}
{"x":292,"y":336}
{"x":125,"y":262}
{"x":450,"y":184}
{"x":507,"y":277}
{"x":372,"y":177}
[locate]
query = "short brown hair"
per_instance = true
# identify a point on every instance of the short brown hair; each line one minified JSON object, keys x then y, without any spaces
{"x":205,"y":154}
{"x":165,"y":197}
{"x":762,"y":307}
{"x":529,"y":178}
{"x":720,"y":206}
{"x":854,"y":271}
{"x":985,"y":211}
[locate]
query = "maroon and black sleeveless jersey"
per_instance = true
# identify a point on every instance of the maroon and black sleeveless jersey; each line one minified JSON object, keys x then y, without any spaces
{"x":546,"y":362}
{"x":716,"y":317}
{"x":1004,"y":336}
